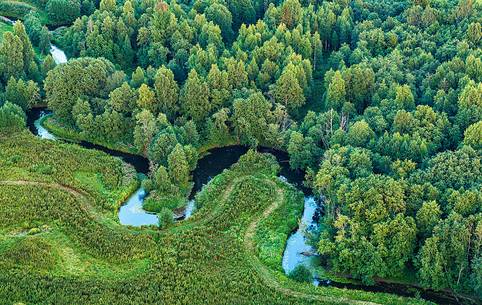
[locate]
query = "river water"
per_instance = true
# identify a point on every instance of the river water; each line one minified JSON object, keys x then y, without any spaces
{"x":298,"y":250}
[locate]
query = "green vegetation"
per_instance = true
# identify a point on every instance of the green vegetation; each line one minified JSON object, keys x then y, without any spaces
{"x":378,"y":102}
{"x":50,"y":12}
{"x":4,"y":27}
{"x":71,"y":235}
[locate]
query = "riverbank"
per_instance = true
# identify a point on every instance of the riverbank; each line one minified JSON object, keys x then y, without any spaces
{"x":215,"y":162}
{"x":65,"y":132}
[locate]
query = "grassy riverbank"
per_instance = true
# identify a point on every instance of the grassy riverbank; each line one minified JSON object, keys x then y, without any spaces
{"x":18,"y":9}
{"x":62,"y":131}
{"x":57,"y":231}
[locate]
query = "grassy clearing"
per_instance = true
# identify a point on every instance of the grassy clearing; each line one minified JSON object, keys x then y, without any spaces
{"x":57,"y":231}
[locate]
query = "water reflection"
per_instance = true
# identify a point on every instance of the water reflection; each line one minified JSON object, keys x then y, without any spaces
{"x":298,"y":250}
{"x":132,"y":213}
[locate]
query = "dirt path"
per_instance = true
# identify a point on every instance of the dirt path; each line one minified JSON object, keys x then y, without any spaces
{"x":81,"y":195}
{"x":267,"y":275}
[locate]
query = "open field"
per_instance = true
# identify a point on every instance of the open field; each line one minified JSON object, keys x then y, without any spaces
{"x":59,"y":230}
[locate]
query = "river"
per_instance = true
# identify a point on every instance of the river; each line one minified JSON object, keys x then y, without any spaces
{"x":298,"y":250}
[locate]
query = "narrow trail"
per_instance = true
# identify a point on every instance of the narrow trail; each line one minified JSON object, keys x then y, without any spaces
{"x":267,"y":275}
{"x":81,"y":195}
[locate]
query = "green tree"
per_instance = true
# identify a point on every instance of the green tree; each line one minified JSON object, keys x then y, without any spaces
{"x":251,"y":119}
{"x":195,"y":97}
{"x":167,"y":91}
{"x":62,"y":11}
{"x":288,"y":91}
{"x":123,"y":99}
{"x":404,"y":97}
{"x":87,"y":77}
{"x":146,"y":99}
{"x":336,"y":93}
{"x":291,"y":13}
{"x":11,"y":57}
{"x":218,"y":87}
{"x":359,"y":134}
{"x":144,"y":130}
{"x":178,"y":166}
{"x":21,"y":93}
{"x":427,"y":217}
{"x":138,"y":77}
{"x":12,"y":118}
{"x":161,"y":180}
{"x":166,"y":218}
{"x":473,"y":135}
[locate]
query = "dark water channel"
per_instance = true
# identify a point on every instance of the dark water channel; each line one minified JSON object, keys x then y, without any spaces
{"x":298,"y":249}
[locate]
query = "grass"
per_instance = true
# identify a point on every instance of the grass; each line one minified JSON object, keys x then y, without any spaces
{"x":60,"y":241}
{"x":19,"y":9}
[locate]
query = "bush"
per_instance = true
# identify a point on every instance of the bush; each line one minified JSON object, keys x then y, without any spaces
{"x":12,"y":118}
{"x":166,"y":218}
{"x":301,"y":274}
{"x":63,"y":11}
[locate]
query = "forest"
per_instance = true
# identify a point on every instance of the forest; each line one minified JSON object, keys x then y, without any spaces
{"x":377,"y":105}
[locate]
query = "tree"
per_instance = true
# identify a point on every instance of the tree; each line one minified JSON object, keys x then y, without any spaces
{"x":291,"y":13}
{"x":138,"y":77}
{"x":195,"y":97}
{"x":11,"y":57}
{"x":473,"y":135}
{"x":469,"y":105}
{"x":167,"y":91}
{"x":146,"y":99}
{"x":427,"y":217}
{"x":27,"y":49}
{"x":87,"y":77}
{"x":359,"y":134}
{"x":47,"y":65}
{"x":237,"y":75}
{"x":178,"y":167}
{"x":218,"y":87}
{"x":404,"y":97}
{"x":166,"y":218}
{"x":162,"y":145}
{"x":445,"y":259}
{"x":302,"y":151}
{"x":220,"y":15}
{"x":12,"y":118}
{"x":336,"y":93}
{"x":251,"y":119}
{"x":44,"y":40}
{"x":161,"y":180}
{"x":123,"y":99}
{"x":62,"y":11}
{"x":107,"y":5}
{"x":359,"y":81}
{"x":144,"y":130}
{"x":21,"y":93}
{"x":474,"y":33}
{"x":288,"y":91}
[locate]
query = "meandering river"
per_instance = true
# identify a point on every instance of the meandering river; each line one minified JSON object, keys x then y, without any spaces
{"x":298,"y":250}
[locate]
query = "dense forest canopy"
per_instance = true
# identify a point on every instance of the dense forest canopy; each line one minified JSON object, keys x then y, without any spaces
{"x":378,"y":101}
